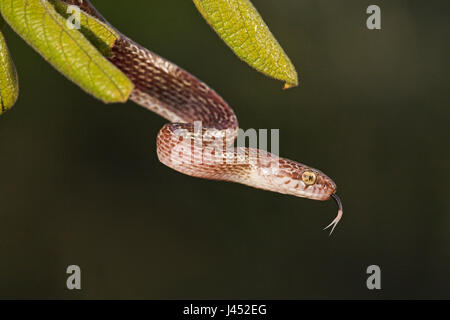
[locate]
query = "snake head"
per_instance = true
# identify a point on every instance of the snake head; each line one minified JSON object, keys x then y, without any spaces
{"x":303,"y":181}
{"x":321,"y":188}
{"x":315,"y":184}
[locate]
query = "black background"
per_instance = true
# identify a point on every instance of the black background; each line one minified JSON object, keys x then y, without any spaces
{"x":81,"y":184}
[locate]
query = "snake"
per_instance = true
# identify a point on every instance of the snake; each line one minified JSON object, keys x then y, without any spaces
{"x":206,"y":151}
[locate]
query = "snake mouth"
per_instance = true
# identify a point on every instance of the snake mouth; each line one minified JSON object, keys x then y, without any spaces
{"x":336,"y":220}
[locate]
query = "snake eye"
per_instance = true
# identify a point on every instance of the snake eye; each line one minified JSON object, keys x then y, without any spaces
{"x":309,"y":178}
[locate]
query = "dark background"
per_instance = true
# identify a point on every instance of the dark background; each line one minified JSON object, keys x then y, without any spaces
{"x":81,"y":183}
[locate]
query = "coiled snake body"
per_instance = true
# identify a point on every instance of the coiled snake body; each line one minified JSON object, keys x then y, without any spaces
{"x":181,"y":98}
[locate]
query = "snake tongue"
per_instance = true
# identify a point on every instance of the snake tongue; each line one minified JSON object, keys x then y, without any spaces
{"x":336,"y":220}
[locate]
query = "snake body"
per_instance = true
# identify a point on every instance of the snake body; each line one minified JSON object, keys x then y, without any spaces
{"x":184,"y":100}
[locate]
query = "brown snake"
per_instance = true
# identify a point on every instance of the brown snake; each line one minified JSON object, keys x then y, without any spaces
{"x":208,"y":152}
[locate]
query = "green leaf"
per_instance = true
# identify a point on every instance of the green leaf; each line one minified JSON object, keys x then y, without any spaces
{"x":9,"y":84}
{"x":98,"y":33}
{"x":240,"y":25}
{"x":68,"y":50}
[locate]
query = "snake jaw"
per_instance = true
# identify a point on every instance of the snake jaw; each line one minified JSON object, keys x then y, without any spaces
{"x":336,"y":220}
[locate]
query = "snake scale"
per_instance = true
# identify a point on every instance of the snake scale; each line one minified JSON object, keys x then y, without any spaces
{"x":208,"y":152}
